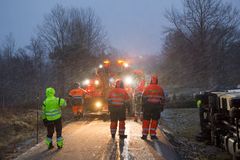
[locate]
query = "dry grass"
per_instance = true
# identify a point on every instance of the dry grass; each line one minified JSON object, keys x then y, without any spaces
{"x":18,"y":130}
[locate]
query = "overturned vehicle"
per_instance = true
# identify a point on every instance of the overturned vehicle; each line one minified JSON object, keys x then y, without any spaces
{"x":219,"y":119}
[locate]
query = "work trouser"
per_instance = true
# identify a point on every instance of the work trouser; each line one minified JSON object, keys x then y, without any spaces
{"x":51,"y":126}
{"x":77,"y":104}
{"x":151,"y":115}
{"x":117,"y":114}
{"x":77,"y":109}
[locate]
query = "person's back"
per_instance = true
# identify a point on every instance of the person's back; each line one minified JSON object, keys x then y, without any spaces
{"x":51,"y":116}
{"x":118,"y":96}
{"x":77,"y":95}
{"x":152,"y":106}
{"x":153,"y":94}
{"x":77,"y":92}
{"x":117,"y":100}
{"x":52,"y":105}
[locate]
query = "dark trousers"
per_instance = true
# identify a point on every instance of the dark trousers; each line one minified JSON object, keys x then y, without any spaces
{"x":151,"y":112}
{"x":117,"y":114}
{"x":151,"y":115}
{"x":54,"y":125}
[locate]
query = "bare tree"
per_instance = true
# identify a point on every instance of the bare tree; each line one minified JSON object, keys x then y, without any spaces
{"x":8,"y":46}
{"x":72,"y":36}
{"x":208,"y":28}
{"x":38,"y":52}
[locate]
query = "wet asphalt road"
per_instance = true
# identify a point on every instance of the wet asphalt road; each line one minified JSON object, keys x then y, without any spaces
{"x":90,"y":139}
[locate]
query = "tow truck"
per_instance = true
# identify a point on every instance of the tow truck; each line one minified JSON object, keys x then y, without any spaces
{"x":104,"y":80}
{"x":94,"y":99}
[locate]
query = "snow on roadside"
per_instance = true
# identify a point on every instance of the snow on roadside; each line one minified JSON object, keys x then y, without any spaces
{"x":181,"y":126}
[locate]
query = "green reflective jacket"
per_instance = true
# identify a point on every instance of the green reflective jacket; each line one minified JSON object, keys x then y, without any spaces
{"x":51,"y":108}
{"x":199,"y":103}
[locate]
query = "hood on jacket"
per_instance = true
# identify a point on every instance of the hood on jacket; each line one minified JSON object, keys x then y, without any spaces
{"x":119,"y":84}
{"x":50,"y":92}
{"x":154,"y":79}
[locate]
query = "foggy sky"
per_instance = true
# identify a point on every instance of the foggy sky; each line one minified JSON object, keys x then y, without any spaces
{"x":135,"y":26}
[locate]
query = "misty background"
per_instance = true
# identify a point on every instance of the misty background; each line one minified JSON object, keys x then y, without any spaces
{"x":55,"y":43}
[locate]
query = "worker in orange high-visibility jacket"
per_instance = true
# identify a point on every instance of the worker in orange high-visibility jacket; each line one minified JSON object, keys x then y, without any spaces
{"x":118,"y":100}
{"x":77,"y":100}
{"x":152,"y":105}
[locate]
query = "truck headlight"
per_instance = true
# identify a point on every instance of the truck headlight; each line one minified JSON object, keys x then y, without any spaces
{"x":128,"y":80}
{"x":126,"y":65}
{"x":111,"y":80}
{"x":86,"y":82}
{"x":96,"y":82}
{"x":98,"y":104}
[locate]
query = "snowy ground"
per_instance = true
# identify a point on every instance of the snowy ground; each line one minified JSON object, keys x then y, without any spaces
{"x":180,"y":126}
{"x":91,"y":140}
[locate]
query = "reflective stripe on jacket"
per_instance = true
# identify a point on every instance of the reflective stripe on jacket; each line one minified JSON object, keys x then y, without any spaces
{"x":153,"y":94}
{"x":117,"y":97}
{"x":52,"y":108}
{"x":77,"y":93}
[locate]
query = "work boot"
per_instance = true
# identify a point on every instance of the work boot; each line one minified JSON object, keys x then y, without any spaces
{"x":50,"y":146}
{"x":123,"y":136}
{"x":60,"y":142}
{"x":144,"y":137}
{"x":113,"y":136}
{"x":154,"y":137}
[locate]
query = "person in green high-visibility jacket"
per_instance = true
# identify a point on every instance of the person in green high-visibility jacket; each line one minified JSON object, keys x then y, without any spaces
{"x":51,"y":115}
{"x":199,"y":103}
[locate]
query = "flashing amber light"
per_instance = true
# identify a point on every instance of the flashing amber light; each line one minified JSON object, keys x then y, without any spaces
{"x":120,"y":61}
{"x":106,"y":62}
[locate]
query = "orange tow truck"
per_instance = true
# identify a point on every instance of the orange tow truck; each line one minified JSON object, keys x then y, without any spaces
{"x":94,"y":100}
{"x":110,"y":71}
{"x":104,"y":80}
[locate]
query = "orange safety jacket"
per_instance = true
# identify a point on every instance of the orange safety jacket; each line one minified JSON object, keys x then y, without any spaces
{"x":153,"y":94}
{"x":118,"y":97}
{"x":78,"y":92}
{"x":77,"y":95}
